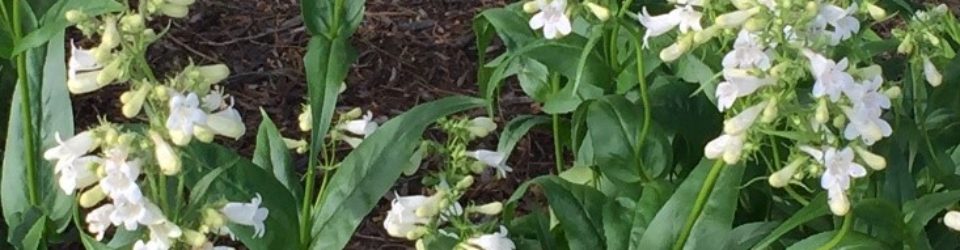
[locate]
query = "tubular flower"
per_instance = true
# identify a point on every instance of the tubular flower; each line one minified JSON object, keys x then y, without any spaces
{"x":494,"y":241}
{"x":227,"y":123}
{"x":867,"y":125}
{"x":185,"y":112}
{"x":82,"y":71}
{"x":742,"y":121}
{"x":496,"y":160}
{"x":831,"y":78}
{"x":739,"y":83}
{"x":363,"y":127}
{"x":409,"y":214}
{"x":248,"y":214}
{"x":843,"y":22}
{"x":747,"y":52}
{"x":952,"y":220}
{"x":736,"y":18}
{"x":553,"y":19}
{"x":481,"y":126}
{"x":121,"y":176}
{"x":931,"y":73}
{"x":73,"y":166}
{"x":683,"y":16}
{"x":168,"y":159}
{"x":840,"y":168}
{"x":98,"y":220}
{"x":726,"y":146}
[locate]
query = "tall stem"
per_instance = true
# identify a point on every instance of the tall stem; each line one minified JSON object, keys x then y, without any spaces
{"x":557,"y":146}
{"x":844,"y":229}
{"x":307,"y":194}
{"x":26,"y":111}
{"x":701,"y":201}
{"x":645,"y":100}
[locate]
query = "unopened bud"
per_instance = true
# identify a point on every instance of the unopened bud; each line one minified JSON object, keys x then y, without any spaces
{"x":181,"y":2}
{"x":180,"y":138}
{"x":75,"y":16}
{"x":134,"y":103}
{"x":352,"y":114}
{"x":465,"y":183}
{"x":756,"y":24}
{"x":931,"y":73}
{"x":299,"y":145}
{"x":227,"y":123}
{"x":416,"y":233}
{"x":736,"y":18}
{"x":92,"y":197}
{"x":492,"y":208}
{"x":705,"y":35}
{"x":168,"y":159}
{"x":212,"y":74}
{"x":174,"y":10}
{"x":531,"y":7}
{"x":481,"y":126}
{"x":770,"y":111}
{"x":782,"y":177}
{"x":305,"y":119}
{"x":906,"y":46}
{"x":203,"y":133}
{"x":872,"y":160}
{"x":811,"y":9}
{"x":893,"y":92}
{"x":132,"y":23}
{"x":677,"y":49}
{"x":194,"y":238}
{"x":839,"y":204}
{"x":823,"y":114}
{"x":932,"y":38}
{"x":952,"y":220}
{"x":875,"y":11}
{"x":601,"y":12}
{"x":111,"y":37}
{"x":109,"y":73}
{"x":839,"y":121}
{"x":212,"y":218}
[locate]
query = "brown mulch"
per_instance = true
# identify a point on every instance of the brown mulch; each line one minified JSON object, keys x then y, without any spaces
{"x":411,"y":51}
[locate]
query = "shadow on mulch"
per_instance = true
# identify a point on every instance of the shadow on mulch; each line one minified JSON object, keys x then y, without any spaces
{"x":411,"y":51}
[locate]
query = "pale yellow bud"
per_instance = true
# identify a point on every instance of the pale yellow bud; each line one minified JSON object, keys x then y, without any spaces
{"x":736,"y":18}
{"x":134,"y":102}
{"x":174,"y":10}
{"x":109,"y":73}
{"x":416,"y":233}
{"x":840,"y":121}
{"x":161,"y":92}
{"x":212,"y":74}
{"x":132,"y":23}
{"x":352,"y":114}
{"x":952,"y":220}
{"x":906,"y":46}
{"x":180,"y":138}
{"x":531,"y":7}
{"x":931,"y":73}
{"x":492,"y":208}
{"x":743,"y":4}
{"x":305,"y":120}
{"x":212,"y":218}
{"x":782,"y":177}
{"x":705,"y":35}
{"x":677,"y":49}
{"x":465,"y":183}
{"x":481,"y":126}
{"x":756,"y":24}
{"x":823,"y":114}
{"x":770,"y":111}
{"x":75,"y":16}
{"x":299,"y":145}
{"x":194,"y":238}
{"x":111,"y":37}
{"x":92,"y":197}
{"x":85,"y":82}
{"x":600,"y":12}
{"x":893,"y":92}
{"x":167,"y":158}
{"x":875,"y":11}
{"x":420,"y":245}
{"x":933,"y":39}
{"x":203,"y":133}
{"x":839,"y":205}
{"x":872,"y":160}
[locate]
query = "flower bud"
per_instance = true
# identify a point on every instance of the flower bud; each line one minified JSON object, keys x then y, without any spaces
{"x":465,"y":183}
{"x":416,"y":233}
{"x":132,"y":23}
{"x":109,"y":73}
{"x":601,"y":12}
{"x":931,"y":73}
{"x":352,"y":114}
{"x":743,"y":4}
{"x":168,"y":159}
{"x":782,"y":177}
{"x":811,"y":9}
{"x":705,"y":35}
{"x":906,"y":46}
{"x":736,"y":18}
{"x":85,"y":82}
{"x":756,"y":24}
{"x":134,"y":101}
{"x":227,"y":123}
{"x":174,"y":10}
{"x":770,"y":111}
{"x":203,"y":133}
{"x":75,"y":16}
{"x":531,"y":7}
{"x":823,"y":114}
{"x":213,"y":218}
{"x":421,"y":245}
{"x":306,"y":119}
{"x":875,"y":11}
{"x":477,"y":167}
{"x":213,"y":74}
{"x":194,"y":238}
{"x":181,"y":2}
{"x":111,"y":137}
{"x":677,"y":49}
{"x":932,"y":38}
{"x":299,"y":145}
{"x":952,"y":220}
{"x":180,"y":138}
{"x":492,"y":208}
{"x":742,"y":121}
{"x":872,"y":160}
{"x":893,"y":92}
{"x":481,"y":127}
{"x":111,"y":37}
{"x":92,"y":197}
{"x":839,"y":204}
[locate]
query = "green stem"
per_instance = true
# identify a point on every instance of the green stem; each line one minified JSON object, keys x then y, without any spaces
{"x":844,"y":229}
{"x":26,"y":112}
{"x":555,"y":118}
{"x":164,"y":203}
{"x":701,"y":201}
{"x":644,"y":98}
{"x":180,"y":201}
{"x":307,"y":194}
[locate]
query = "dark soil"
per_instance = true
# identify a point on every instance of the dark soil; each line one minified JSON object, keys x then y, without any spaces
{"x":411,"y":51}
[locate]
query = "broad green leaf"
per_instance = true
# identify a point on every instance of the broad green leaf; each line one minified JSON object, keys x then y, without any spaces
{"x":367,"y":173}
{"x":55,"y":21}
{"x":271,"y":154}
{"x":711,"y":224}
{"x":319,"y":15}
{"x":241,"y":181}
{"x":533,"y":78}
{"x":327,"y":62}
{"x":532,"y":231}
{"x":691,"y":69}
{"x":34,"y":237}
{"x":579,"y":210}
{"x":516,"y":129}
{"x":510,"y":25}
{"x":884,"y":216}
{"x":920,"y":211}
{"x":28,"y":234}
{"x":655,"y":195}
{"x":851,"y":241}
{"x":744,"y":236}
{"x":614,"y":126}
{"x":617,"y":223}
{"x":557,"y":57}
{"x":816,"y":208}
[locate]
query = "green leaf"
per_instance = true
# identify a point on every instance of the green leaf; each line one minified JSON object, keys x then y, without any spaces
{"x":746,"y":235}
{"x":510,"y":25}
{"x":614,"y":124}
{"x":327,"y":62}
{"x":851,"y":241}
{"x":918,"y":212}
{"x":55,"y":21}
{"x":579,"y":209}
{"x":34,"y":237}
{"x":557,"y":57}
{"x":368,"y":172}
{"x":711,"y":224}
{"x":533,"y":78}
{"x":318,"y":16}
{"x":271,"y":154}
{"x":816,"y":208}
{"x":884,"y":216}
{"x":655,"y":195}
{"x":516,"y":129}
{"x":241,"y":181}
{"x":691,"y":69}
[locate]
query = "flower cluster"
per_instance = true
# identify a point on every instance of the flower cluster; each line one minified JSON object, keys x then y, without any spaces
{"x":120,"y":171}
{"x":554,"y":16}
{"x":421,"y":218}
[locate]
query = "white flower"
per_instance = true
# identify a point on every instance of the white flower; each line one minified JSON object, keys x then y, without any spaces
{"x":402,"y":218}
{"x":81,"y":60}
{"x":121,"y":176}
{"x":185,"y":112}
{"x":226,"y":122}
{"x":837,"y":199}
{"x":866,"y":124}
{"x":931,"y":73}
{"x":249,"y":214}
{"x":78,"y":145}
{"x":747,"y":52}
{"x":553,"y":19}
{"x":150,"y":245}
{"x":75,"y":173}
{"x":843,"y":22}
{"x":493,"y":159}
{"x":214,"y":100}
{"x":726,"y":146}
{"x":952,"y":220}
{"x":742,"y":121}
{"x":362,"y":127}
{"x":168,"y":159}
{"x":831,"y":77}
{"x":164,"y":232}
{"x":494,"y":241}
{"x":131,"y":215}
{"x":739,"y":83}
{"x":840,"y":168}
{"x":735,"y":19}
{"x":684,"y":16}
{"x":867,"y":96}
{"x":98,"y":220}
